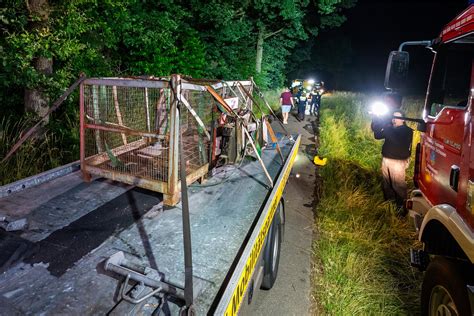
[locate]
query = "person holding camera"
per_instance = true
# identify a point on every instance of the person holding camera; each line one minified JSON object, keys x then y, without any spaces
{"x":396,"y":152}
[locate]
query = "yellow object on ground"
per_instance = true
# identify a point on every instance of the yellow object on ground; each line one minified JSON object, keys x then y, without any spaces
{"x":319,"y":162}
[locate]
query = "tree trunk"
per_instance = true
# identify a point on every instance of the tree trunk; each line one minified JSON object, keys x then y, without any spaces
{"x":35,"y":99}
{"x":260,"y":39}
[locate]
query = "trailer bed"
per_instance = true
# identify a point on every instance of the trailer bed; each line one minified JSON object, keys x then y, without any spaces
{"x":75,"y":226}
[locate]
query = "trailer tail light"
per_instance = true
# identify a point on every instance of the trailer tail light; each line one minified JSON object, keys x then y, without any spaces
{"x":409,"y":204}
{"x":416,"y":174}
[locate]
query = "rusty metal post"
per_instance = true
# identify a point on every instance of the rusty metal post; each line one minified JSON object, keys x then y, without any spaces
{"x":251,"y":88}
{"x":172,"y":197}
{"x":82,"y":131}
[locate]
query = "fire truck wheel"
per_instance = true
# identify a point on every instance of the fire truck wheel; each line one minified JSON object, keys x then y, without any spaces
{"x":271,"y":254}
{"x":444,"y":289}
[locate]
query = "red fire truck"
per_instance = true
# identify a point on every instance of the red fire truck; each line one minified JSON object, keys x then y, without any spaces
{"x":442,"y":206}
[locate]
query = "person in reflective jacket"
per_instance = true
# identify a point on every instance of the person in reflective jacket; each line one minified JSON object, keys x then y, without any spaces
{"x":315,"y":102}
{"x":302,"y":99}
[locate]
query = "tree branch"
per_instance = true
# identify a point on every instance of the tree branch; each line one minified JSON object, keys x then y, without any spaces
{"x":271,"y":34}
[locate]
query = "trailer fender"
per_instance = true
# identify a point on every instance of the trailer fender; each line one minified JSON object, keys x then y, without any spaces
{"x":444,"y":217}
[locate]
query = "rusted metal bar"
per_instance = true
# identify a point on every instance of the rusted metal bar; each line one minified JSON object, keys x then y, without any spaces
{"x":82,"y":136}
{"x":251,"y":88}
{"x":269,"y":127}
{"x":102,"y":157}
{"x":244,"y":97}
{"x":161,"y":110}
{"x":194,"y":87}
{"x":126,"y":130}
{"x":132,"y":83}
{"x":250,"y":96}
{"x":53,"y":108}
{"x":274,"y":139}
{"x":232,"y":83}
{"x":118,"y":113}
{"x":233,"y":91}
{"x":153,"y":185}
{"x":173,"y":144}
{"x":159,"y":103}
{"x":258,"y":156}
{"x":220,"y":100}
{"x":198,"y":81}
{"x":95,"y":106}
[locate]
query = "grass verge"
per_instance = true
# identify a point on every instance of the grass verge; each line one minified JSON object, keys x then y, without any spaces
{"x":362,"y":251}
{"x":54,"y":146}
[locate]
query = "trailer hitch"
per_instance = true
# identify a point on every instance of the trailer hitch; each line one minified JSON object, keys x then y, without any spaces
{"x":145,"y":276}
{"x":135,"y":292}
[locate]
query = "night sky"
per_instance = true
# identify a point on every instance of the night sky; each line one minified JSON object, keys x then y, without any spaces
{"x":374,"y":28}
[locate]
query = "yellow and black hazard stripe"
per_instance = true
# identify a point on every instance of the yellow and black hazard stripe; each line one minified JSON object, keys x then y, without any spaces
{"x":230,"y":304}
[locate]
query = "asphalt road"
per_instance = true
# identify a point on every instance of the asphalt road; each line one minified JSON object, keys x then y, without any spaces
{"x":291,"y":293}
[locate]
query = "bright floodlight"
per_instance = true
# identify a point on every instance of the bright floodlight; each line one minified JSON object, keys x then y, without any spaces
{"x":311,"y":81}
{"x":379,"y":108}
{"x":295,"y":83}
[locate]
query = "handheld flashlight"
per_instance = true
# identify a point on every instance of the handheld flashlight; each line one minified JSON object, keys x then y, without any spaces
{"x":379,"y":108}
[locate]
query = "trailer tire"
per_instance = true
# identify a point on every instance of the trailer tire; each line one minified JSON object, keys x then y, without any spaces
{"x":444,"y":289}
{"x":271,"y":254}
{"x":281,"y":210}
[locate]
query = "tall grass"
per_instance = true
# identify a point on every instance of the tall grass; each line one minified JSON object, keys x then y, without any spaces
{"x":272,"y":97}
{"x":362,"y":251}
{"x":53,"y":146}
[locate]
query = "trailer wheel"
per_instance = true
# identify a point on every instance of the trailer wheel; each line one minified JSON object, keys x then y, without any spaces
{"x":444,"y":290}
{"x":271,"y":255}
{"x":281,"y":210}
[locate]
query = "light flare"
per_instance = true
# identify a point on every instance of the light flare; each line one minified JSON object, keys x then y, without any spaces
{"x":379,"y":108}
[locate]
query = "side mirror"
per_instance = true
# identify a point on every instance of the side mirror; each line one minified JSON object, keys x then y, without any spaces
{"x":397,"y":70}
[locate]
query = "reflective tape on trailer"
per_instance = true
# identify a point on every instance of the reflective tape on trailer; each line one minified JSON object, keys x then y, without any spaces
{"x":233,"y":295}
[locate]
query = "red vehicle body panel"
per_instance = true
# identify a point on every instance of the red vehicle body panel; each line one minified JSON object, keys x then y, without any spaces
{"x":448,"y":141}
{"x":442,"y":145}
{"x":461,"y":25}
{"x":442,"y":207}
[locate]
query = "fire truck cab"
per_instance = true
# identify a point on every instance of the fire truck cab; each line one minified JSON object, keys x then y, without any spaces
{"x":442,"y":206}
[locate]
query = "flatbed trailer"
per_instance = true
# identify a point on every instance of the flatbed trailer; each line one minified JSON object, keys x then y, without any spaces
{"x":81,"y":234}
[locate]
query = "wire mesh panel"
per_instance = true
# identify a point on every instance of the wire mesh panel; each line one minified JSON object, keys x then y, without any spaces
{"x":126,"y":130}
{"x":194,"y":125}
{"x":130,"y":130}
